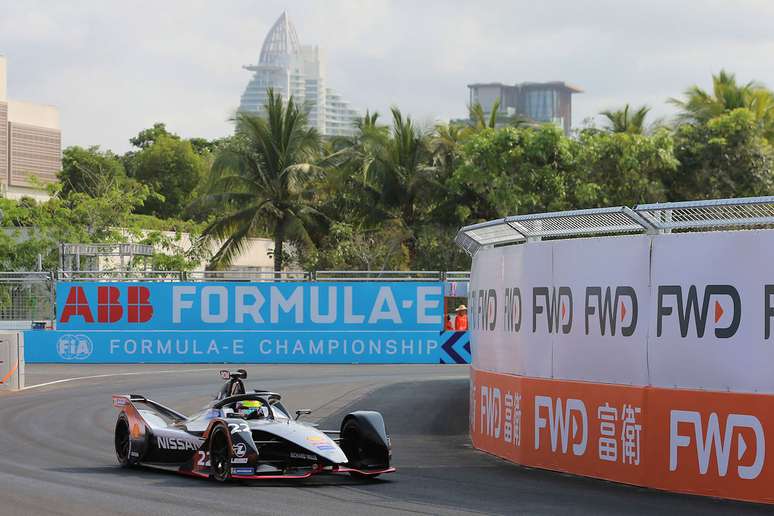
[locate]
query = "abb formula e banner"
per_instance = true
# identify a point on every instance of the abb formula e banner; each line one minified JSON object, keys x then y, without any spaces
{"x":669,"y":338}
{"x":249,"y":322}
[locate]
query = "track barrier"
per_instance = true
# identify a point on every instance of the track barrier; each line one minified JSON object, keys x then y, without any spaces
{"x":643,"y":359}
{"x":12,"y":361}
{"x":249,"y":322}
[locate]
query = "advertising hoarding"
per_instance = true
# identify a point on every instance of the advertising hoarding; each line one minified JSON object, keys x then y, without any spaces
{"x":689,"y":441}
{"x":249,"y":322}
{"x":664,"y":337}
{"x":712,"y":325}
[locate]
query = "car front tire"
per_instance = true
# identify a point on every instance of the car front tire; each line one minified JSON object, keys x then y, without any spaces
{"x":220,"y":454}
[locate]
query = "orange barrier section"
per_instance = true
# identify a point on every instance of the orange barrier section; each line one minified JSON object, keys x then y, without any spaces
{"x":698,"y":442}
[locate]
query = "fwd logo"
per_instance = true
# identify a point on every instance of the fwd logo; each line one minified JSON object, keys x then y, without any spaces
{"x":512,"y":309}
{"x":736,"y":424}
{"x":560,"y":421}
{"x":109,"y":305}
{"x":490,"y":411}
{"x":611,"y":309}
{"x":558,"y":308}
{"x":484,"y":309}
{"x":725,"y":298}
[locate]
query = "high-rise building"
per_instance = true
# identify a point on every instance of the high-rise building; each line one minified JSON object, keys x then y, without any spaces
{"x":30,"y":145}
{"x":538,"y":101}
{"x":298,"y":70}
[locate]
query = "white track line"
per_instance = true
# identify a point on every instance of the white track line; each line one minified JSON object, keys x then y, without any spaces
{"x":65,"y":380}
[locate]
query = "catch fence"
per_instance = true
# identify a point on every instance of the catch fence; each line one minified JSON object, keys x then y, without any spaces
{"x":688,"y":216}
{"x":26,"y":296}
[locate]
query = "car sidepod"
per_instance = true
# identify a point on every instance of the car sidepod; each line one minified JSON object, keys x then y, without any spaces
{"x":308,"y":443}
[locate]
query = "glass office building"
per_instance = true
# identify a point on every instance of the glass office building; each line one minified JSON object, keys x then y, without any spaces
{"x":298,"y":70}
{"x":537,"y":101}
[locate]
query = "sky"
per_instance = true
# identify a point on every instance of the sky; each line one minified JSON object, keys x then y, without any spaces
{"x":114,"y":68}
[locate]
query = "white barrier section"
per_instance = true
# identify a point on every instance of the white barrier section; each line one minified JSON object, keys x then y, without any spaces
{"x":607,"y":280}
{"x":646,"y":359}
{"x":504,"y":282}
{"x":713,"y":317}
{"x":11,"y":361}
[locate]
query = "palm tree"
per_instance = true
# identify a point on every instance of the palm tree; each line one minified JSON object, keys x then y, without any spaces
{"x":263,"y":181}
{"x":701,"y":106}
{"x":622,"y":121}
{"x":479,"y":120}
{"x":402,"y":175}
{"x":358,"y":152}
{"x":727,"y":95}
{"x":388,"y":173}
{"x":444,"y":146}
{"x":478,"y":116}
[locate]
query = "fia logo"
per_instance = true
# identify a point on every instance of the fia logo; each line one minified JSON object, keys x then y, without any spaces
{"x":74,"y":347}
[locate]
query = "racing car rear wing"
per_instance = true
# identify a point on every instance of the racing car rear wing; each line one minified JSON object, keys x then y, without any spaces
{"x":232,"y":375}
{"x":121,"y":400}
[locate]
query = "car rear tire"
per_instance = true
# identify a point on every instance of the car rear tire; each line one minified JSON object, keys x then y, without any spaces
{"x":123,"y":442}
{"x":220,"y":455}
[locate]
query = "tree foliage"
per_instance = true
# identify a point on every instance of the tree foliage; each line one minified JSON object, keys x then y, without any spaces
{"x":172,"y":170}
{"x":30,"y":228}
{"x":91,"y":171}
{"x":148,"y":137}
{"x":621,"y":168}
{"x":393,"y":195}
{"x":700,"y":106}
{"x":263,"y":181}
{"x":729,"y":156}
{"x":515,"y":170}
{"x":626,"y":121}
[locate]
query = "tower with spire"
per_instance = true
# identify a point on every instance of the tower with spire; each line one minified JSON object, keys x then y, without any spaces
{"x":298,"y":70}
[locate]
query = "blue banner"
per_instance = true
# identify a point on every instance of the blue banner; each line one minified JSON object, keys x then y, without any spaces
{"x":249,"y":306}
{"x":269,"y":347}
{"x":249,"y":323}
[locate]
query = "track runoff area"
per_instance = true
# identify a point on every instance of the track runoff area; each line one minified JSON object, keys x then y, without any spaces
{"x":57,"y":452}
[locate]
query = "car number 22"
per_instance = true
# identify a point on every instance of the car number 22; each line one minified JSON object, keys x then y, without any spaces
{"x":238,"y":427}
{"x":203,"y":459}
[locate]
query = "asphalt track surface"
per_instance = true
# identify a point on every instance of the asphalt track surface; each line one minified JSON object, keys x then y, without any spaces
{"x":56,"y":451}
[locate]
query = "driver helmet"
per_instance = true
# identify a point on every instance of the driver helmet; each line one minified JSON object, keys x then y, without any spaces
{"x":249,"y":407}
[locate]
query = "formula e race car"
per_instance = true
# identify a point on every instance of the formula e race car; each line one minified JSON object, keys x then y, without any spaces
{"x":249,"y":436}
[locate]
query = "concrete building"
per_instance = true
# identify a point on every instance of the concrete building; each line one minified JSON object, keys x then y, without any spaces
{"x":30,"y":145}
{"x":298,"y":70}
{"x":256,"y":256}
{"x":538,"y":101}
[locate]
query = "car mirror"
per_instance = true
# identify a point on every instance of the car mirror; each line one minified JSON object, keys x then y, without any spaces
{"x":301,"y":412}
